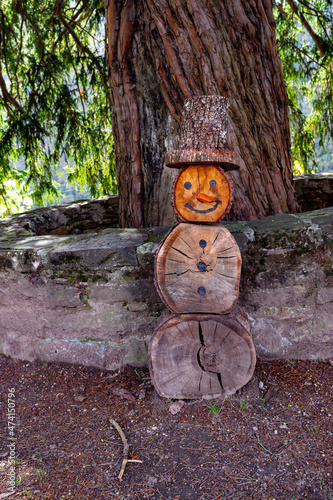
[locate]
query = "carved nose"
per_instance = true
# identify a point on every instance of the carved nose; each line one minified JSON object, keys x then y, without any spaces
{"x":204,"y":198}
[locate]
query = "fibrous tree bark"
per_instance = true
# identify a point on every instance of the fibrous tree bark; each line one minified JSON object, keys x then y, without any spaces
{"x":161,"y":52}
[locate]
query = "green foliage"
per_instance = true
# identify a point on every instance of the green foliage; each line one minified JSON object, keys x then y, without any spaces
{"x":16,"y":201}
{"x":54,"y":98}
{"x":305,"y":41}
{"x":214,"y":409}
{"x":244,"y":406}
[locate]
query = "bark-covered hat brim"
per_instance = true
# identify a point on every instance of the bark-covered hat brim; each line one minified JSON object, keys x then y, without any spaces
{"x":228,"y":160}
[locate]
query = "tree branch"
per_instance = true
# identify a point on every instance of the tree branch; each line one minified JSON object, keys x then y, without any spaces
{"x":318,"y":13}
{"x":57,"y":10}
{"x":7,"y":96}
{"x":301,"y":51}
{"x":76,"y":76}
{"x":34,"y":27}
{"x":280,"y":9}
{"x":308,"y":28}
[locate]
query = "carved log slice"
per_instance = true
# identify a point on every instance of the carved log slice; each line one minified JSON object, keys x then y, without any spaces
{"x":200,"y":356}
{"x":202,"y":194}
{"x":198,"y":269}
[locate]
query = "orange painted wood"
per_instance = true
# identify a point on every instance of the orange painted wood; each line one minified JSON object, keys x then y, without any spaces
{"x":195,"y":188}
{"x":204,"y":198}
{"x":198,"y":268}
{"x":200,"y":356}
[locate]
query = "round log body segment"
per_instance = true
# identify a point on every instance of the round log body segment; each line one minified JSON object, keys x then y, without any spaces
{"x":200,"y":356}
{"x":198,"y":269}
{"x":202,"y":194}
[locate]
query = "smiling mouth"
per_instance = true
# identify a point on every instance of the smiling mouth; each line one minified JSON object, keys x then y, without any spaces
{"x":188,"y":205}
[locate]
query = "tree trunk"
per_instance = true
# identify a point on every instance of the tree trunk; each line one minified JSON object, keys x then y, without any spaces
{"x":161,"y":52}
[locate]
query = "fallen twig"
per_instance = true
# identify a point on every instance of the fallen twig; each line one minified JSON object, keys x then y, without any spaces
{"x":126,"y":447}
{"x":264,"y":448}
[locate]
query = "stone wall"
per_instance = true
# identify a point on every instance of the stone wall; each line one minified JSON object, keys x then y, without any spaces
{"x":90,"y":299}
{"x":314,"y":192}
{"x":70,"y":218}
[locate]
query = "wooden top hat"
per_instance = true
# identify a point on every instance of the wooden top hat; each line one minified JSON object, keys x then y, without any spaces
{"x":204,"y":135}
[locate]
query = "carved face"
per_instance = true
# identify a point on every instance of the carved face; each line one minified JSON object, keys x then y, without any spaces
{"x":202,"y":193}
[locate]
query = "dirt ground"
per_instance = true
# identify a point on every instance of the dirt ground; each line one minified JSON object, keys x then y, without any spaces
{"x":272,"y":440}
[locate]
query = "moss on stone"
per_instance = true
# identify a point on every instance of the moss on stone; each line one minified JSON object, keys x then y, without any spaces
{"x":92,"y":340}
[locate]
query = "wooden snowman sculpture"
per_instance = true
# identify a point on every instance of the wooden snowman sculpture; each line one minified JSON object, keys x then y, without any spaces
{"x":200,"y":351}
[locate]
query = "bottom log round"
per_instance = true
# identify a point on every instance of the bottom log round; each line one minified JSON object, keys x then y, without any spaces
{"x":200,"y":356}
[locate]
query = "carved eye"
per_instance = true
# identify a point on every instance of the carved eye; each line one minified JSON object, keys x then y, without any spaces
{"x":187,"y":185}
{"x":212,"y":184}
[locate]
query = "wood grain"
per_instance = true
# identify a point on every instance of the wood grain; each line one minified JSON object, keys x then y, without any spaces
{"x":200,"y":356}
{"x":196,"y":180}
{"x":198,"y":269}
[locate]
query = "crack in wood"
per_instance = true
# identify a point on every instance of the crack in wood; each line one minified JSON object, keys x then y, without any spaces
{"x":185,"y":242}
{"x":187,"y":271}
{"x":225,"y":250}
{"x":200,"y":382}
{"x":179,"y":329}
{"x":218,"y":375}
{"x":225,"y":338}
{"x":229,"y":257}
{"x":225,"y":275}
{"x":201,"y":335}
{"x":219,"y":378}
{"x":179,"y":274}
{"x":217,"y":235}
{"x":215,"y":332}
{"x":199,"y":360}
{"x":177,"y":250}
